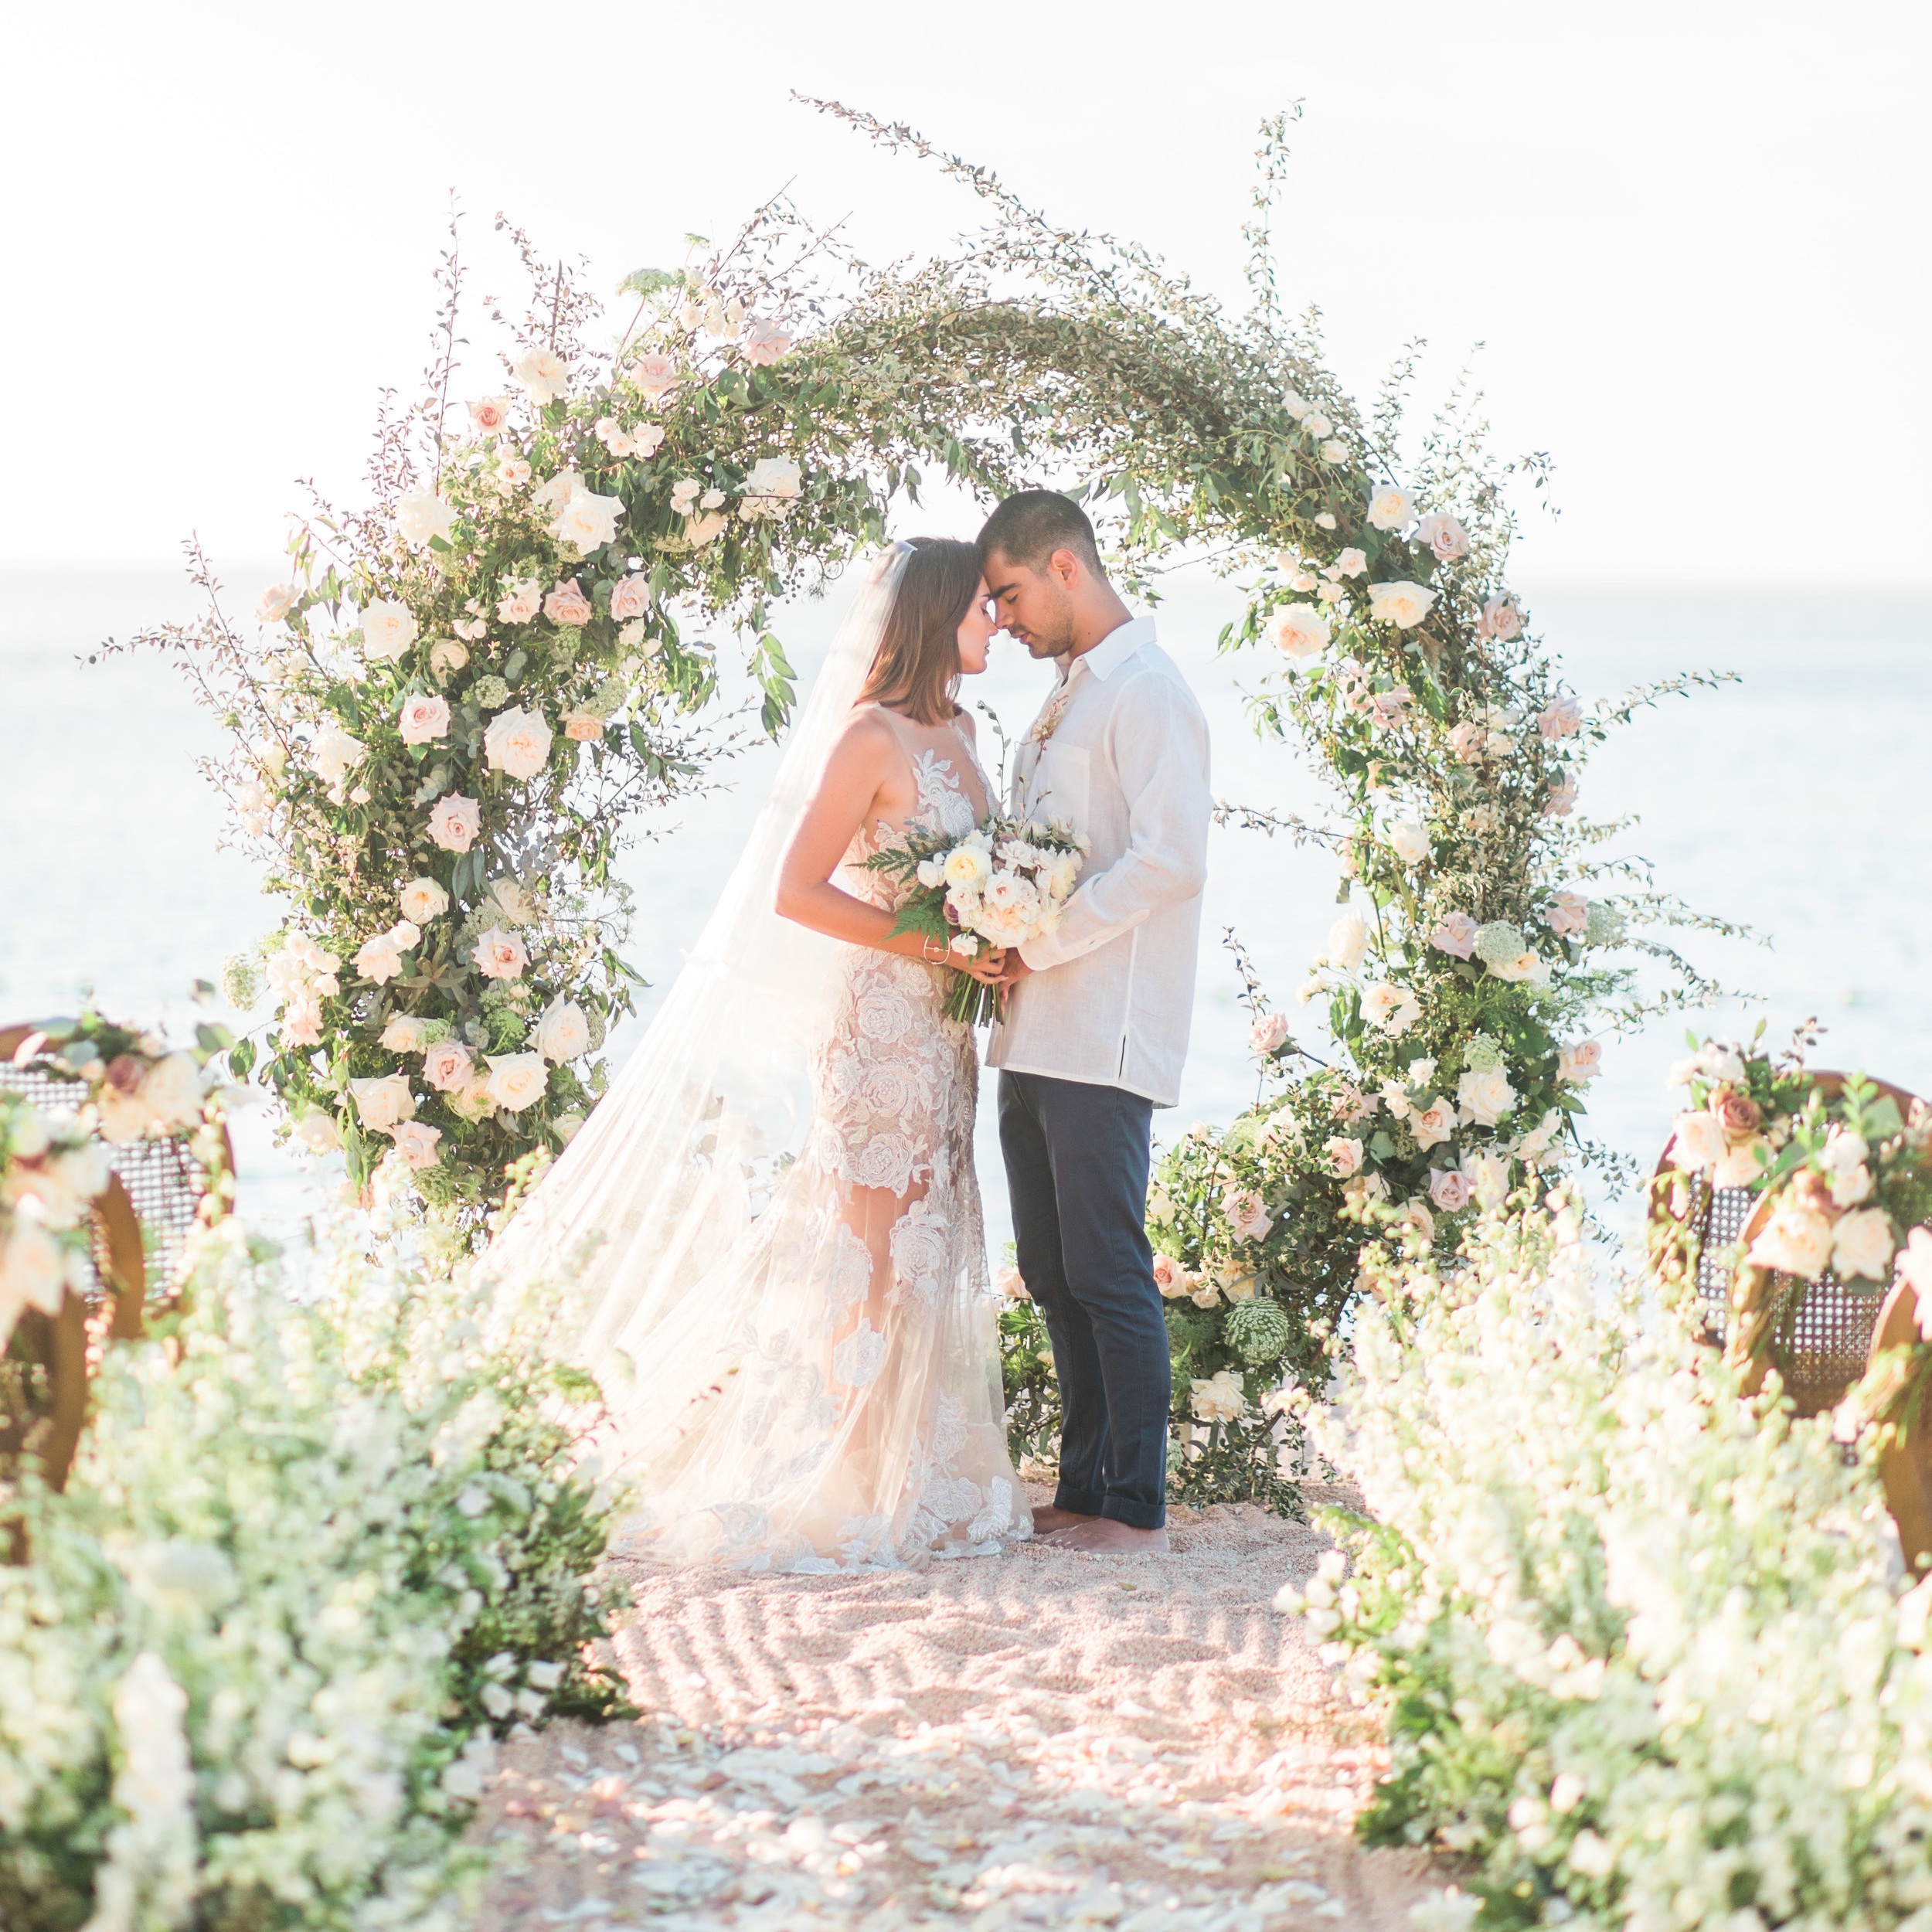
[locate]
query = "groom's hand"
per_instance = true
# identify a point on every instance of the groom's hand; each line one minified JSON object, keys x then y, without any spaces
{"x":987,"y":967}
{"x":1014,"y":969}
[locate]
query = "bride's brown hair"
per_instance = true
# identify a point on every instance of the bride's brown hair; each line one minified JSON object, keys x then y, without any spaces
{"x":916,"y":669}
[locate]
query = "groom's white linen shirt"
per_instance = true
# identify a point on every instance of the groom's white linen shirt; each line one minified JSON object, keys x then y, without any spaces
{"x":1112,"y":988}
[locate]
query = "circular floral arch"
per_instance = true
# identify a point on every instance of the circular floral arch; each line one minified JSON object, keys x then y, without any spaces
{"x":463,"y":690}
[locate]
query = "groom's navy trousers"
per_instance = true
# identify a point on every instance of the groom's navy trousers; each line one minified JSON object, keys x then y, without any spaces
{"x":1077,"y":1164}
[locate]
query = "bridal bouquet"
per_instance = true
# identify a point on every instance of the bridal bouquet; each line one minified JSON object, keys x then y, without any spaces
{"x":1002,"y":884}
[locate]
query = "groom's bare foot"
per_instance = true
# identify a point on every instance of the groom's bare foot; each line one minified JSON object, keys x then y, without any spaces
{"x":1049,"y":1517}
{"x":1103,"y":1536}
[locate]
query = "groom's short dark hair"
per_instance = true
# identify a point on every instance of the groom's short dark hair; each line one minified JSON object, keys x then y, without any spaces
{"x":1027,"y":528}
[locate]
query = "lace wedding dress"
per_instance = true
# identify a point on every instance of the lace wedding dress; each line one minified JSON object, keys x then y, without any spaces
{"x":797,"y":1342}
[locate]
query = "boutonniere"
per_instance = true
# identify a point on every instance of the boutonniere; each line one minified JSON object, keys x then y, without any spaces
{"x":1048,"y":720}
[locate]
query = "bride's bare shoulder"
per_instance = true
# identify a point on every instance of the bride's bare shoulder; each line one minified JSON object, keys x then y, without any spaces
{"x":865,"y":738}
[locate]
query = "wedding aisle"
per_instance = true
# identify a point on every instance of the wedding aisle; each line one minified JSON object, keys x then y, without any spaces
{"x":1048,"y":1739}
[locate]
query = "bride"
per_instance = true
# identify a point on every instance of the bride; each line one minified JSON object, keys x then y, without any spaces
{"x":773,"y":1217}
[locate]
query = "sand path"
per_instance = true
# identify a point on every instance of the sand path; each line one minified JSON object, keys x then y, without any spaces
{"x":1043,"y":1740}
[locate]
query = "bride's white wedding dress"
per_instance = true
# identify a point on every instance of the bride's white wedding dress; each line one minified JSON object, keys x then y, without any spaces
{"x":798,"y":1341}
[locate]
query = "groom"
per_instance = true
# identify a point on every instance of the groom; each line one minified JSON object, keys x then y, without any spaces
{"x":1096,"y":1020}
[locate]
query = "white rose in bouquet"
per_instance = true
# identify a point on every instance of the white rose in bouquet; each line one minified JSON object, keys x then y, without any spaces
{"x":389,"y":629}
{"x":1404,"y":604}
{"x":656,"y":376}
{"x":334,"y":753}
{"x":517,"y":1080}
{"x":517,"y":742}
{"x":968,"y":865}
{"x":1581,"y":1060}
{"x":380,"y":958}
{"x":403,"y":1034}
{"x":445,"y":656}
{"x":421,"y":516}
{"x":416,"y":1141}
{"x":1347,"y":941}
{"x":276,"y":603}
{"x":774,"y":484}
{"x":1393,"y":1008}
{"x":1408,"y":841}
{"x":563,"y":1033}
{"x":1345,"y":1155}
{"x":763,"y":343}
{"x":1697,"y":1142}
{"x":1562,"y":717}
{"x":701,"y":530}
{"x":382,"y":1102}
{"x":522,"y":600}
{"x":500,"y":955}
{"x":1171,"y":1278}
{"x":1432,"y":1123}
{"x":422,"y":898}
{"x":541,"y":373}
{"x":1300,"y":632}
{"x":1391,"y":509}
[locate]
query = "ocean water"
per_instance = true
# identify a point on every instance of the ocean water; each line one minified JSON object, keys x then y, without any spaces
{"x":1792,"y":802}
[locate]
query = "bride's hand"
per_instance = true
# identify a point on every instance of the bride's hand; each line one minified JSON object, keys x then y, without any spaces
{"x":986,"y":967}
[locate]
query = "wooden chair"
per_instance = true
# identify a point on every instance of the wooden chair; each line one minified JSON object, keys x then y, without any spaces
{"x":1819,"y":1334}
{"x":1905,"y":1464}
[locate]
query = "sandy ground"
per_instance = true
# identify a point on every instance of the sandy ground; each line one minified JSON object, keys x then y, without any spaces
{"x":1040,"y":1740}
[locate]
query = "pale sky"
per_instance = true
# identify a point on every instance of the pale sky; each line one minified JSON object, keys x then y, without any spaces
{"x":1693,"y":236}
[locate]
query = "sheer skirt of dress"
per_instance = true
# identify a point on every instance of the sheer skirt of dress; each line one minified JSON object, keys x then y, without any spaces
{"x":831,"y":1397}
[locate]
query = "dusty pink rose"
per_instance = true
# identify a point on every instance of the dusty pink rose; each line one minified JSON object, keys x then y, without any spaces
{"x":1267,"y":1033}
{"x":520,"y":601}
{"x":1345,"y":1155}
{"x":1247,"y":1214}
{"x":1171,"y":1277}
{"x":1568,"y":916}
{"x":447,"y":1066}
{"x":1501,"y":619}
{"x":631,"y":598}
{"x":1456,"y":935}
{"x":1561,"y":718}
{"x":454,"y":822}
{"x":567,"y":604}
{"x":422,"y":719}
{"x":416,"y":1141}
{"x":1738,"y":1114}
{"x":490,"y":413}
{"x":1450,"y":1188}
{"x":500,"y":955}
{"x":656,"y":375}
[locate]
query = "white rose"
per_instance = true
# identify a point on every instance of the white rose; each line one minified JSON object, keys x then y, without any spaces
{"x":1483,"y":1099}
{"x":522,"y":600}
{"x":776,"y":477}
{"x":1391,"y":509}
{"x":1488,"y":1176}
{"x":517,"y":742}
{"x":967,"y":866}
{"x":1345,"y":1155}
{"x":500,"y":955}
{"x":1408,"y":841}
{"x":516,"y":1079}
{"x":587,"y":521}
{"x":1432,"y":1123}
{"x":1347,"y":941}
{"x":1334,"y":451}
{"x":1861,"y":1244}
{"x":1404,"y":605}
{"x":1697,"y":1142}
{"x":416,"y":1141}
{"x":381,"y":1103}
{"x":379,"y":959}
{"x":1297,"y":406}
{"x":334,"y":753}
{"x":1444,"y":536}
{"x":1393,"y":1008}
{"x":1300,"y":632}
{"x":277,"y":601}
{"x":541,"y":373}
{"x":422,"y":898}
{"x":1582,"y":1060}
{"x":701,"y":530}
{"x":389,"y":629}
{"x":562,"y":1033}
{"x":171,"y":1091}
{"x":421,"y":516}
{"x":445,"y":656}
{"x":422,"y":719}
{"x":1795,"y":1240}
{"x":403,"y":1034}
{"x":33,"y":1273}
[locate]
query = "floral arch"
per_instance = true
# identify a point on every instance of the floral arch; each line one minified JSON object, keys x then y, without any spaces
{"x":465,"y":688}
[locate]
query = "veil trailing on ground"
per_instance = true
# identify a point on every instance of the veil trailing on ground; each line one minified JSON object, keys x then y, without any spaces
{"x":674,"y":1164}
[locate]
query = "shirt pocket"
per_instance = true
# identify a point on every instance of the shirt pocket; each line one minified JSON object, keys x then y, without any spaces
{"x":1064,"y":787}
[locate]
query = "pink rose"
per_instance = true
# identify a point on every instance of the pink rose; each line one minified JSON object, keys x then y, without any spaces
{"x":1451,"y":1189}
{"x":422,"y":719}
{"x":416,"y":1142}
{"x":585,"y":726}
{"x":1456,"y":935}
{"x":1738,"y":1114}
{"x":1562,"y":801}
{"x":631,"y":598}
{"x":1171,"y":1277}
{"x":1444,"y":535}
{"x":656,"y":375}
{"x":1267,"y":1033}
{"x":490,"y":413}
{"x":1581,"y":1060}
{"x":520,"y":601}
{"x":1345,"y":1155}
{"x":454,"y":822}
{"x":763,"y":343}
{"x":1247,"y":1214}
{"x":301,"y":1022}
{"x":1569,"y":915}
{"x":447,"y":1067}
{"x":1561,"y":718}
{"x":1501,"y":619}
{"x":500,"y":955}
{"x":567,"y":604}
{"x":1469,"y":741}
